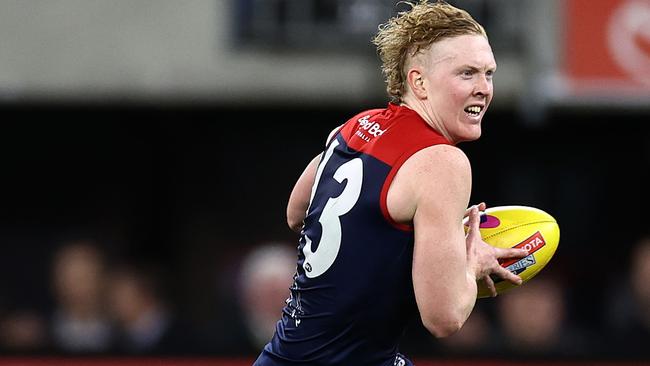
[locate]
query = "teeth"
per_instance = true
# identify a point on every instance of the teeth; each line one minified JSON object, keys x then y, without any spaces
{"x":474,"y":109}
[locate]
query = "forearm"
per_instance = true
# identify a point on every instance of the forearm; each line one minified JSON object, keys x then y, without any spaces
{"x":446,"y":304}
{"x":467,"y":300}
{"x":444,"y":282}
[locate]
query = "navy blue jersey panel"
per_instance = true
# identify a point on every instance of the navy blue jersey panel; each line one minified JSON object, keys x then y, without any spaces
{"x":352,"y":293}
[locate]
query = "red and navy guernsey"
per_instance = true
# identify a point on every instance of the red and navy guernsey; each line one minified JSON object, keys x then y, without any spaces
{"x":352,"y":294}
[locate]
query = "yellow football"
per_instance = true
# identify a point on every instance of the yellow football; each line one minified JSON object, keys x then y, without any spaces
{"x":519,"y":227}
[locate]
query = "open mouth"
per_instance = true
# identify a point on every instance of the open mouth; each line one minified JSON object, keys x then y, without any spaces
{"x":474,"y":110}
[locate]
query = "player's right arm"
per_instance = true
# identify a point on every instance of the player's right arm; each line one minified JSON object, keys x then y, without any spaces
{"x":432,"y":189}
{"x":301,"y":193}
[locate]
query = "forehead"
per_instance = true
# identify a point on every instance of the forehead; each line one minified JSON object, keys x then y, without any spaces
{"x":473,"y":50}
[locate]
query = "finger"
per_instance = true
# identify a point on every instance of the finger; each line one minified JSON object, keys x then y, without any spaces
{"x":508,"y":276}
{"x":503,"y":253}
{"x":474,"y":221}
{"x":489,"y":283}
{"x":469,"y":210}
{"x":482,"y":206}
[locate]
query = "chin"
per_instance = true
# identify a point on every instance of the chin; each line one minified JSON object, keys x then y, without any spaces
{"x":472,"y":135}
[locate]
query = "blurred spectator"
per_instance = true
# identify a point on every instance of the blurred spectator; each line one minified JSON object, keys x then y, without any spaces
{"x":265,"y":277}
{"x":23,"y":331}
{"x":144,"y":324}
{"x":628,"y":313}
{"x":534,"y":322}
{"x":79,"y":323}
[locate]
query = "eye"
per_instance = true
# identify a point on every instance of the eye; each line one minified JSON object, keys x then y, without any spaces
{"x":467,"y":73}
{"x":489,"y":74}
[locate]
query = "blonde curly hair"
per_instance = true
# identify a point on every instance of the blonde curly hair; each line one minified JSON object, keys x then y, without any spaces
{"x":404,"y":35}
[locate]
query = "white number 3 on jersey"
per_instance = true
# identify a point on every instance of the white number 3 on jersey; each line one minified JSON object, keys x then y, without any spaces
{"x":316,"y":263}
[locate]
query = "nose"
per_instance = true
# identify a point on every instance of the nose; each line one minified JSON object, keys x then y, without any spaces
{"x":483,"y":86}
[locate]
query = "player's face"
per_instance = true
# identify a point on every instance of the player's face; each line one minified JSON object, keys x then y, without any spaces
{"x":460,"y":77}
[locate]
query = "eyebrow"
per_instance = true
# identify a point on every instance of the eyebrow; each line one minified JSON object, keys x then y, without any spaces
{"x":476,"y":68}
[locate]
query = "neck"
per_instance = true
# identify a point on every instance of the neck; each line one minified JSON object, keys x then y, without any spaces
{"x":424,"y":110}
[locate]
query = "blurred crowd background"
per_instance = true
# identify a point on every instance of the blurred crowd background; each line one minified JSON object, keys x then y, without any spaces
{"x":148,"y":149}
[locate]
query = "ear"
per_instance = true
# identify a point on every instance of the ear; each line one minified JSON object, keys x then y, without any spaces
{"x":416,"y":82}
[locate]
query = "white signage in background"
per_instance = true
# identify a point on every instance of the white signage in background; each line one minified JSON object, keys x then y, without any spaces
{"x":629,"y":39}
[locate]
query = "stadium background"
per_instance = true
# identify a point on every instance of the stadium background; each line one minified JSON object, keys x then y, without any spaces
{"x":169,"y":135}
